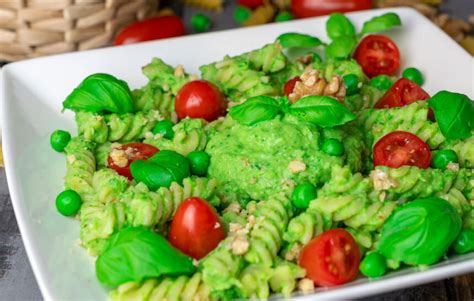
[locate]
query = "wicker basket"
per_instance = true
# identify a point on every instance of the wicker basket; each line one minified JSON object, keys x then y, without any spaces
{"x":31,"y":28}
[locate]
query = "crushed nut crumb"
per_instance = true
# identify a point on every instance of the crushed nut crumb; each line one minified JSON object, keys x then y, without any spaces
{"x":452,"y":166}
{"x":195,"y":262}
{"x":119,"y":157}
{"x":381,"y":180}
{"x":179,"y":71}
{"x":293,"y":253}
{"x":234,"y":207}
{"x":306,"y":286}
{"x":246,"y":162}
{"x":71,"y":159}
{"x":296,"y":166}
{"x":240,"y":245}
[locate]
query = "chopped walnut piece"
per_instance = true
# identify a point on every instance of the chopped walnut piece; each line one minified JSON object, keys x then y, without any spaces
{"x":296,"y":166}
{"x":306,"y":286}
{"x":240,"y":245}
{"x":119,"y":157}
{"x":382,"y":180}
{"x":313,"y":83}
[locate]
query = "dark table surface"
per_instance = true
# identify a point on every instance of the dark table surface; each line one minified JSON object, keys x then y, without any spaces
{"x":17,"y":282}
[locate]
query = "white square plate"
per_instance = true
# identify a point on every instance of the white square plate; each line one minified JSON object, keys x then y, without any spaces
{"x":31,"y":109}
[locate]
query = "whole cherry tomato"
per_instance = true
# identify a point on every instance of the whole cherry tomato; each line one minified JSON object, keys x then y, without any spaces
{"x":196,"y":228}
{"x":378,"y":54}
{"x":251,"y":3}
{"x":290,"y":85}
{"x":332,"y":258}
{"x":120,"y":158}
{"x":200,"y":99}
{"x":402,"y":93}
{"x":151,"y":29}
{"x":312,"y":8}
{"x":401,"y":148}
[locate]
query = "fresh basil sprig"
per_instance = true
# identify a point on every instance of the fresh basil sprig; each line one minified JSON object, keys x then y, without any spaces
{"x":454,"y":113}
{"x":255,"y":110}
{"x":298,"y":40}
{"x":100,"y":92}
{"x":341,"y":47}
{"x":134,"y":254}
{"x":338,"y":26}
{"x":323,"y":111}
{"x":381,"y":23}
{"x":160,"y":170}
{"x":420,"y":232}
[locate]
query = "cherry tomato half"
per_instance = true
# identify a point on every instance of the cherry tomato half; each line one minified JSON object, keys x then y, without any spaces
{"x":196,"y":228}
{"x":378,"y":54}
{"x":331,"y":259}
{"x":290,"y":85}
{"x":402,"y":93}
{"x":151,"y":29}
{"x":401,"y":148}
{"x":120,"y":158}
{"x":200,"y":99}
{"x":312,"y":8}
{"x":251,"y":3}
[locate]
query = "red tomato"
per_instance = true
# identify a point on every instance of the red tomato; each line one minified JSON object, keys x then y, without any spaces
{"x":332,"y":258}
{"x":377,"y":55}
{"x":196,"y":228}
{"x":402,"y":93}
{"x":132,"y":152}
{"x":312,"y":8}
{"x":151,"y":29}
{"x":200,"y":99}
{"x":401,"y":148}
{"x":251,"y":3}
{"x":290,"y":85}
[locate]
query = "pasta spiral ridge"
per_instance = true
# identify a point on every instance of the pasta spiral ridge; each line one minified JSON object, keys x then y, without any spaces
{"x":189,"y":135}
{"x":80,"y":167}
{"x":307,"y":225}
{"x":112,"y":127}
{"x":150,"y":209}
{"x":108,"y":185}
{"x":411,"y":118}
{"x":182,"y":288}
{"x":266,"y":237}
{"x":269,"y":59}
{"x":165,"y":77}
{"x":151,"y":97}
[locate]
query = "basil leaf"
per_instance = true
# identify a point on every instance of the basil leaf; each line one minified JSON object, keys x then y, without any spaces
{"x":341,"y":48}
{"x":323,"y":111}
{"x":255,"y":110}
{"x":162,"y":169}
{"x":100,"y":92}
{"x":338,"y":26}
{"x":420,"y":232}
{"x":454,"y":113}
{"x":134,"y":254}
{"x":381,"y":23}
{"x":298,"y":40}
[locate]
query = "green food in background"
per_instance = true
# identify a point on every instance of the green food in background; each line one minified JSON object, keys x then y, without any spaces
{"x":241,"y":14}
{"x":420,"y":232}
{"x":284,"y":16}
{"x":135,"y":254}
{"x":201,"y":23}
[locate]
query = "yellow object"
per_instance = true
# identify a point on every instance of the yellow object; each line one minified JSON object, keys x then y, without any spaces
{"x":1,"y":157}
{"x":261,"y":15}
{"x":165,"y":12}
{"x":468,"y":44}
{"x":215,"y":5}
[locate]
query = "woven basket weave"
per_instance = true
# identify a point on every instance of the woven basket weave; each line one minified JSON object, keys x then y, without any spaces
{"x":31,"y":28}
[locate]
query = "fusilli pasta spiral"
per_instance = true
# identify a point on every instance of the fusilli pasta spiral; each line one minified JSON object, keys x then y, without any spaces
{"x":464,"y":149}
{"x":165,"y":77}
{"x":151,"y":97}
{"x":268,"y":59}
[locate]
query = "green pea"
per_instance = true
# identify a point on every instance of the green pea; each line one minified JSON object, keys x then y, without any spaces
{"x":373,"y":265}
{"x":201,"y":23}
{"x":199,"y":162}
{"x":442,"y":158}
{"x":241,"y":14}
{"x":59,"y":140}
{"x":381,"y":82}
{"x":464,"y":243}
{"x":414,"y":74}
{"x":333,"y":147}
{"x":68,"y":202}
{"x":284,"y":16}
{"x":164,"y":128}
{"x":351,"y":81}
{"x":303,"y":195}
